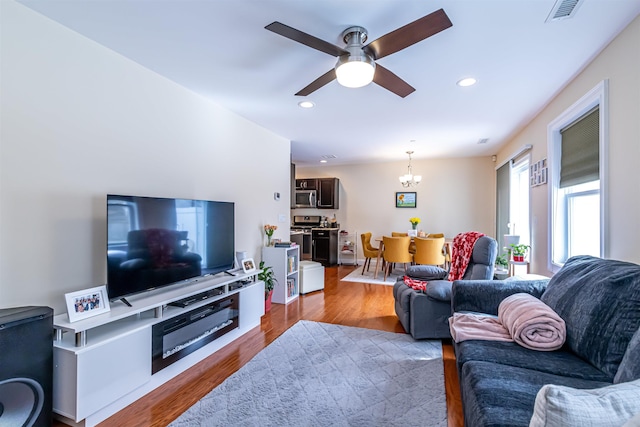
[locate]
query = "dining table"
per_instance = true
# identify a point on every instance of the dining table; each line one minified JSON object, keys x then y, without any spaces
{"x":447,"y":248}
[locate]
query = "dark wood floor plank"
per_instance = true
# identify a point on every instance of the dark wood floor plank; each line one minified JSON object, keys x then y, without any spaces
{"x":345,"y":303}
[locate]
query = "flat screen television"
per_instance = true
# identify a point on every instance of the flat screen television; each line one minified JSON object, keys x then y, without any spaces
{"x":154,"y":242}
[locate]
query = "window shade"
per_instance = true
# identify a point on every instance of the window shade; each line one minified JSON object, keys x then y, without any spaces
{"x":503,"y":176}
{"x":581,"y":150}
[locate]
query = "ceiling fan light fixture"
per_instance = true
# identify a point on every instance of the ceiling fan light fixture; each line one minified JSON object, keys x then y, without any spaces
{"x":355,"y":70}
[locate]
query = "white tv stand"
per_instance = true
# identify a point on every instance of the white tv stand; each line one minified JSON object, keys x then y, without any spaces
{"x":104,"y":363}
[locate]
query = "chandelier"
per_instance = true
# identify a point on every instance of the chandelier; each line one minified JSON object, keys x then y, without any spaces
{"x":409,"y":179}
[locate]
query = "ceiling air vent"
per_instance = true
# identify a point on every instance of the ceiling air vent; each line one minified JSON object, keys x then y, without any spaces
{"x":563,"y":9}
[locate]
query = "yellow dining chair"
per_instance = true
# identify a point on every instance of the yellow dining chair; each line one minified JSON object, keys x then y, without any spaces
{"x":429,"y":251}
{"x":412,"y":246}
{"x":396,"y":249}
{"x":368,"y":250}
{"x":446,"y":250}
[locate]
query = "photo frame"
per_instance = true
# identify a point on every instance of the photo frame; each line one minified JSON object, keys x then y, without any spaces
{"x":248,"y":265}
{"x":406,"y":199}
{"x":87,"y":303}
{"x":538,"y":173}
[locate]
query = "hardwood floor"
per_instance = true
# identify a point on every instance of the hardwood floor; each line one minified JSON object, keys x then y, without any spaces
{"x":346,"y":303}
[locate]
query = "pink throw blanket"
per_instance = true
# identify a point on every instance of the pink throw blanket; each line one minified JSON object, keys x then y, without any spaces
{"x":532,"y":323}
{"x":461,"y":251}
{"x":521,"y":318}
{"x":469,"y":326}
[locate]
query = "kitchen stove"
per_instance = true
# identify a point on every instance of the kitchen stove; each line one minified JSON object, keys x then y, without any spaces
{"x":301,"y":232}
{"x":305,"y":223}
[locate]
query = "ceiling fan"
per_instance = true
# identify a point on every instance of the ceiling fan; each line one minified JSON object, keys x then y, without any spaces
{"x":361,"y":59}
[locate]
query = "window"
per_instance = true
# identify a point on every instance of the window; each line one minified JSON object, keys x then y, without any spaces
{"x":577,"y":158}
{"x":519,"y":200}
{"x":583,"y":210}
{"x":512,"y":199}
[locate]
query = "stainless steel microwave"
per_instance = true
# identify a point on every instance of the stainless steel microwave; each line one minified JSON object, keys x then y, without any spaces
{"x":306,"y":199}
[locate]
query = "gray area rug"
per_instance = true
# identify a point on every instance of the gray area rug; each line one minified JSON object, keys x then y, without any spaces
{"x":319,"y":374}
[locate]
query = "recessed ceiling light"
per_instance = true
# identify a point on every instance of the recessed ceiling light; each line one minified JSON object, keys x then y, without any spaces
{"x":323,"y":161}
{"x":468,"y":81}
{"x":306,"y":104}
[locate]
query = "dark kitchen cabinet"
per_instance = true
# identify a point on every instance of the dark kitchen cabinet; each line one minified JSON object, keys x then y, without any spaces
{"x":325,"y":246}
{"x":307,"y":184}
{"x":328,"y":192}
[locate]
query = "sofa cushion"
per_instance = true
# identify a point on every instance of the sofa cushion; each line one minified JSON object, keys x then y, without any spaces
{"x":439,"y":290}
{"x":482,"y":261}
{"x":586,"y":293}
{"x":494,"y":394}
{"x":426,"y":272}
{"x":614,"y":405}
{"x":629,"y":368}
{"x":485,"y":296}
{"x":560,"y":362}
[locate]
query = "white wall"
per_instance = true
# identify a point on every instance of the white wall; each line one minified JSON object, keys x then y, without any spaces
{"x":79,"y":121}
{"x":455,"y":195}
{"x":620,"y":63}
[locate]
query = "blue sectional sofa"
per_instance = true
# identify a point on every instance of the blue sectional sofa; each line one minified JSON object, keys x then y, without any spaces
{"x":599,"y":300}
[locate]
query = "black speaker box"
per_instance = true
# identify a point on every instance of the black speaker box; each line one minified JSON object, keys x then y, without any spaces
{"x":26,"y":366}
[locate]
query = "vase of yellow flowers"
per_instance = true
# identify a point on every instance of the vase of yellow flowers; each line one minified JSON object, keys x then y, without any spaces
{"x":268,"y":230}
{"x":414,"y":222}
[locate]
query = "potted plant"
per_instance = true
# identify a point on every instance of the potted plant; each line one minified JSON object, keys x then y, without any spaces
{"x":519,"y":252}
{"x":268,"y":230}
{"x":501,"y":262}
{"x":414,"y":222}
{"x":267,"y":275}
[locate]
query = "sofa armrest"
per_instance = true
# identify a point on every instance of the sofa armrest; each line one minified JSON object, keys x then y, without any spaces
{"x":484,"y":296}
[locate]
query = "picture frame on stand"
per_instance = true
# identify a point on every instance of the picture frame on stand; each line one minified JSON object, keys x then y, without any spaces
{"x":87,"y":303}
{"x":248,"y":265}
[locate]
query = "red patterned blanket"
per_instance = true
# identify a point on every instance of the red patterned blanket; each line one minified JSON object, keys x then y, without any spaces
{"x":461,"y":253}
{"x":418,"y":285}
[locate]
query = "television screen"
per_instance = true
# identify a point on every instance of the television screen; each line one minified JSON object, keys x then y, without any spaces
{"x":153,"y":241}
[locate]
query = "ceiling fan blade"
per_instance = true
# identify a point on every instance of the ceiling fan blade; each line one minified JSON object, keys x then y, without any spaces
{"x":305,"y":39}
{"x":391,"y":82}
{"x":327,"y":77}
{"x":412,"y":33}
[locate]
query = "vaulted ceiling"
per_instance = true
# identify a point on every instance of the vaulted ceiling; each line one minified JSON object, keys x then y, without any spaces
{"x":220,"y":49}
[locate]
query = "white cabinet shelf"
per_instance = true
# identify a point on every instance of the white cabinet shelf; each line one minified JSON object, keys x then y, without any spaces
{"x":285,"y":263}
{"x":347,"y":248}
{"x":114,"y":349}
